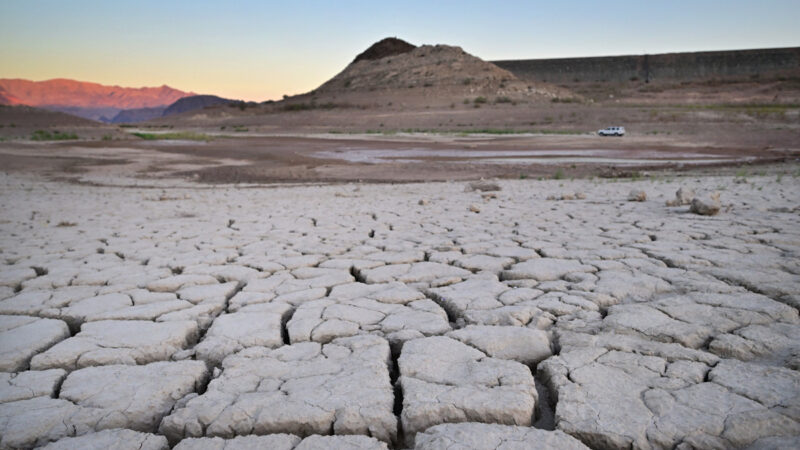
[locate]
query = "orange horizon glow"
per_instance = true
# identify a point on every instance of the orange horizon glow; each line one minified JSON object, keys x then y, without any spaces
{"x":261,"y":50}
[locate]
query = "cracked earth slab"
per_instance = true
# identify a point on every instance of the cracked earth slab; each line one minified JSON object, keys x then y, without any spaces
{"x":613,"y":398}
{"x":109,"y":342}
{"x":30,"y":384}
{"x":99,"y":398}
{"x":22,"y":337}
{"x":121,"y":439}
{"x":391,"y":310}
{"x":283,"y":442}
{"x":480,"y":436}
{"x":446,"y":381}
{"x":257,"y":325}
{"x":342,"y":387}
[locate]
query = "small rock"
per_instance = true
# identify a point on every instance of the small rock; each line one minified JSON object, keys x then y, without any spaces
{"x":474,"y":208}
{"x":683,"y":196}
{"x":568,"y":196}
{"x":488,"y":195}
{"x":637,"y":195}
{"x":706,"y":207}
{"x":483,"y":186}
{"x":423,"y":202}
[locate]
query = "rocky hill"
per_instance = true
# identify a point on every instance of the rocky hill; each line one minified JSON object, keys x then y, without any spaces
{"x":20,"y":122}
{"x":434,"y":72}
{"x":195,"y":102}
{"x":137,"y":115}
{"x":84,"y":94}
{"x":89,"y":100}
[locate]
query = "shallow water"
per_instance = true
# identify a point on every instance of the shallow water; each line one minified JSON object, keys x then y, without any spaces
{"x":587,"y":156}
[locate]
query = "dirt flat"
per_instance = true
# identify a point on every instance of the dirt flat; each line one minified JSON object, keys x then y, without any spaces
{"x":373,"y":158}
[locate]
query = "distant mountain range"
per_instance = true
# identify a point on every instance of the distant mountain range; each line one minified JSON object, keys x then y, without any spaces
{"x":111,"y":104}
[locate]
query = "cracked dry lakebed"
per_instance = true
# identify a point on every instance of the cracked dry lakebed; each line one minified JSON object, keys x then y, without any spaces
{"x":540,"y":314}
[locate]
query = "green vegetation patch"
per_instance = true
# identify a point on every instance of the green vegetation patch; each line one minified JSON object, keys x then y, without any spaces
{"x":44,"y":135}
{"x":178,"y":135}
{"x":464,"y":132}
{"x":294,"y":107}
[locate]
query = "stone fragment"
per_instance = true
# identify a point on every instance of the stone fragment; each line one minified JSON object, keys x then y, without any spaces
{"x":342,"y":387}
{"x":683,"y":196}
{"x":445,"y":381}
{"x":637,"y":195}
{"x":568,"y":196}
{"x":705,"y":207}
{"x":482,"y":436}
{"x":21,"y":337}
{"x":118,"y":342}
{"x":482,"y":185}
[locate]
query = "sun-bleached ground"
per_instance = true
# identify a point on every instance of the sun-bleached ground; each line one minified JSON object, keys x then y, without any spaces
{"x":424,"y":315}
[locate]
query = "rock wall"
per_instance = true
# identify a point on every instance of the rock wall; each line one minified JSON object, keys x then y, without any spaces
{"x":761,"y":63}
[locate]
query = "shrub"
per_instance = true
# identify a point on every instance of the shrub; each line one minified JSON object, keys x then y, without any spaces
{"x":44,"y":135}
{"x":479,"y":100}
{"x":180,"y":135}
{"x":309,"y":106}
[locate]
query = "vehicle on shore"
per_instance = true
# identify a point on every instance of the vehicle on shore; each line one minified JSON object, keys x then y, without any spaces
{"x":612,"y":131}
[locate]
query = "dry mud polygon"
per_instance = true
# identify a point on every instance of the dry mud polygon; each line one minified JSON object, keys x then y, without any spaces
{"x":359,"y":316}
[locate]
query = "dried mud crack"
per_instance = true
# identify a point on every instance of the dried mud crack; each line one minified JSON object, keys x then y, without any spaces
{"x":360,"y":316}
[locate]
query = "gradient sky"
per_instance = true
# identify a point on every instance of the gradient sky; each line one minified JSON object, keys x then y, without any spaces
{"x":259,"y":50}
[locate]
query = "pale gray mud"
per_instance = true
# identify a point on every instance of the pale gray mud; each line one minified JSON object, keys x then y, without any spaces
{"x":546,"y":314}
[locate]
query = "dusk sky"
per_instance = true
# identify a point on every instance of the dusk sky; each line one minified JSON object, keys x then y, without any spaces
{"x":258,"y":50}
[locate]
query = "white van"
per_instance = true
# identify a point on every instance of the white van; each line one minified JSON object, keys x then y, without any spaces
{"x":612,"y":131}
